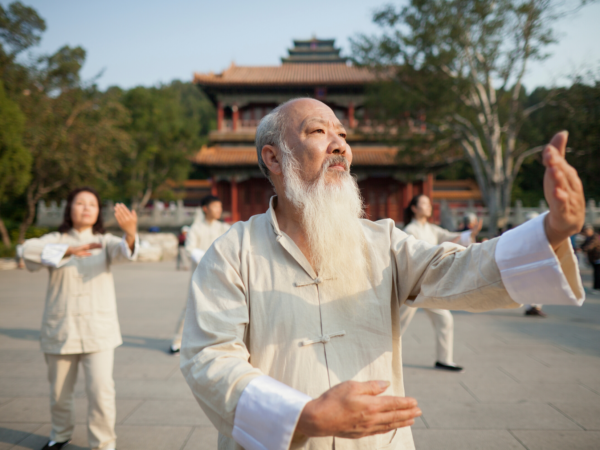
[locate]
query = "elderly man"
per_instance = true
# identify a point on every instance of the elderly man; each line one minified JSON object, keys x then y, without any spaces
{"x":292,"y":336}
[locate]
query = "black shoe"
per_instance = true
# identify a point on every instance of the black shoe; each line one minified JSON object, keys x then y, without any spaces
{"x":55,"y":446}
{"x":173,"y":350}
{"x":451,"y":368}
{"x":535,"y":312}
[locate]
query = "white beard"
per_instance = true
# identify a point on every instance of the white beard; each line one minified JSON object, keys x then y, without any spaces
{"x":330,"y":218}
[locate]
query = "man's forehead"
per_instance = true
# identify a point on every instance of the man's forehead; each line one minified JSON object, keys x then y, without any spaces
{"x":307,"y":110}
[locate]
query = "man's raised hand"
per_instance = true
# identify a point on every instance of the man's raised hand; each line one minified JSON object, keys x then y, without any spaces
{"x":354,"y":410}
{"x":563,"y":191}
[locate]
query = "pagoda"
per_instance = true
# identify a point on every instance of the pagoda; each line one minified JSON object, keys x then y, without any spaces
{"x":243,"y":95}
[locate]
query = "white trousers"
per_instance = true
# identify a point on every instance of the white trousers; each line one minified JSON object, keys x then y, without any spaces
{"x":443,"y":324}
{"x":100,"y":388}
{"x":176,"y":342}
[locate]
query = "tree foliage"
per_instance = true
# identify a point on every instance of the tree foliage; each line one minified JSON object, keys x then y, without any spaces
{"x":457,"y":67}
{"x":15,"y":160}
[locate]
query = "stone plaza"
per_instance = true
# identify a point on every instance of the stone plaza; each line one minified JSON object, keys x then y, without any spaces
{"x":529,"y":383}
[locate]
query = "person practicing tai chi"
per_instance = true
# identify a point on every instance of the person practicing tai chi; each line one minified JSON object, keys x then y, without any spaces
{"x":416,"y":218}
{"x":206,"y":228}
{"x":292,"y":331}
{"x":80,"y":323}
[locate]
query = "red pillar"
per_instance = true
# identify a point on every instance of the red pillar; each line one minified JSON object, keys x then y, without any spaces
{"x":220,"y":116}
{"x":408,"y":195}
{"x":213,"y":187}
{"x":351,"y":121}
{"x":235,"y":214}
{"x":235,"y":118}
{"x":428,"y":186}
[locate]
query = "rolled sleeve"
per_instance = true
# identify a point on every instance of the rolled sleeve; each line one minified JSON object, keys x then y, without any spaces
{"x":126,"y":251}
{"x":532,"y":273}
{"x":53,"y":254}
{"x":267,"y":414}
{"x":465,"y":238}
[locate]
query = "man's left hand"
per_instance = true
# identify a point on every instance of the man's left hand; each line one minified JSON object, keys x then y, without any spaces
{"x":563,"y":191}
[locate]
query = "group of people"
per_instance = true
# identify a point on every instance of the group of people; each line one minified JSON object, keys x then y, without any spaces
{"x":291,"y":337}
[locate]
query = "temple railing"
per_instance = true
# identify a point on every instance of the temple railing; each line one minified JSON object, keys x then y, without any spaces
{"x":173,"y":215}
{"x":451,"y":218}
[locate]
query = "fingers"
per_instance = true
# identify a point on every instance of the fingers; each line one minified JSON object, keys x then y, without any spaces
{"x":371,"y":387}
{"x":389,"y":403}
{"x":559,"y":142}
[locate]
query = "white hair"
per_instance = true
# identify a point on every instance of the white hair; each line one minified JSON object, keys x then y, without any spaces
{"x":271,"y":131}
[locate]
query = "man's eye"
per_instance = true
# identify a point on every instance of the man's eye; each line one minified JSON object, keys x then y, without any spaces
{"x":343,"y":135}
{"x":319,"y":130}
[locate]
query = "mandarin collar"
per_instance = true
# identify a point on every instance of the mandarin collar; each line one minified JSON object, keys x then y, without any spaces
{"x":272,"y":216}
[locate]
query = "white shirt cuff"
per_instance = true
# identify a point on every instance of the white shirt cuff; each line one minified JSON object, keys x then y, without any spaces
{"x":53,"y":254}
{"x":197,"y":255}
{"x":530,"y":270}
{"x":127,"y":251}
{"x":465,"y":238}
{"x":267,"y":414}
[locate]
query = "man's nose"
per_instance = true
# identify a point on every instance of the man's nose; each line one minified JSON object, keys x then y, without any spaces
{"x":338,"y":145}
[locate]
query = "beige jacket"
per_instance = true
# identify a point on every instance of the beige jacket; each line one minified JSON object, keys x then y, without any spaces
{"x":435,"y":235}
{"x":257,"y":308}
{"x":80,"y":315}
{"x":201,"y":236}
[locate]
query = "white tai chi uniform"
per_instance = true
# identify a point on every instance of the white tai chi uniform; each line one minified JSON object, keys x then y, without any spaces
{"x":200,"y":237}
{"x":441,"y":319}
{"x":264,"y":334}
{"x":80,"y":324}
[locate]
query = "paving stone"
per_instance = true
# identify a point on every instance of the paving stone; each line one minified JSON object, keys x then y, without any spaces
{"x":135,"y":437}
{"x":13,"y":433}
{"x":513,"y":392}
{"x":446,"y":392}
{"x":558,"y":440}
{"x":465,"y":439}
{"x":168,"y":412}
{"x":585,"y":414}
{"x":170,"y":389}
{"x":498,"y":416}
{"x":203,"y":438}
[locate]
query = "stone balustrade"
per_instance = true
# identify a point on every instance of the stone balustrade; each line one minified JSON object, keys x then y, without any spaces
{"x":173,"y":215}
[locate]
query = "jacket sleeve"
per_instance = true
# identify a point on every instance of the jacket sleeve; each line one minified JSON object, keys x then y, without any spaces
{"x":214,"y":356}
{"x":519,"y":267}
{"x":117,"y":249}
{"x":44,"y":251}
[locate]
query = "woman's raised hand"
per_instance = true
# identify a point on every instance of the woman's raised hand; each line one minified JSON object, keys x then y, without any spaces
{"x":127,"y":219}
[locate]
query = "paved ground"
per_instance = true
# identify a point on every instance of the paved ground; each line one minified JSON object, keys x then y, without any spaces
{"x":529,"y":383}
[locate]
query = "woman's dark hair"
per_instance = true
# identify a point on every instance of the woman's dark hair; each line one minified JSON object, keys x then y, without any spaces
{"x":67,"y":223}
{"x":409,"y":214}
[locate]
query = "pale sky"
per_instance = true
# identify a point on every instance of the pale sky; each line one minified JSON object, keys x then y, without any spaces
{"x":151,"y":42}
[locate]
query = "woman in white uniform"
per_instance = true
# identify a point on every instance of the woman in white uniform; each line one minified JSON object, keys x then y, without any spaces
{"x":80,"y":323}
{"x":416,"y":217}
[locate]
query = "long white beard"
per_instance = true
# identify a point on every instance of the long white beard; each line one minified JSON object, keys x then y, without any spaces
{"x":330,"y":217}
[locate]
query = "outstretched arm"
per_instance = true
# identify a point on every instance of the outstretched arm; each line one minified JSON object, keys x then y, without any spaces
{"x":563,"y":192}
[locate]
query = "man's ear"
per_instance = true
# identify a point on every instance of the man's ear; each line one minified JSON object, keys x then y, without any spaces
{"x":271,"y":158}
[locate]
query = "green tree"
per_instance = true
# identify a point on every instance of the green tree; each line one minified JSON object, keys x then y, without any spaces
{"x":457,"y":66}
{"x":73,"y":131}
{"x":15,"y":160}
{"x":167,"y":126}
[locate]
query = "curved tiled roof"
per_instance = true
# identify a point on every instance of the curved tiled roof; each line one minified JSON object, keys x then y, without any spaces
{"x":245,"y":156}
{"x":288,"y":74}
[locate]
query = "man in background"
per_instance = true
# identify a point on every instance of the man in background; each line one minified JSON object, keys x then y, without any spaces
{"x":591,"y":246}
{"x":204,"y":231}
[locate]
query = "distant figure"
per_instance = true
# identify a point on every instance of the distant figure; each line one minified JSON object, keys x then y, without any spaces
{"x":182,"y":257}
{"x":469,"y":222}
{"x":591,"y":246}
{"x":204,"y":231}
{"x":416,"y":217}
{"x":80,"y":323}
{"x":533,"y":310}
